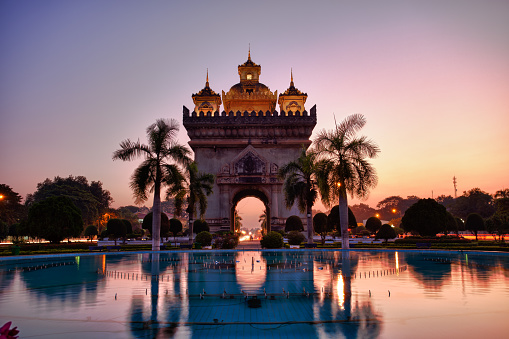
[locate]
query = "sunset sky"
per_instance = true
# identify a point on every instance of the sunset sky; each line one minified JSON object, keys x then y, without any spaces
{"x":431,"y":78}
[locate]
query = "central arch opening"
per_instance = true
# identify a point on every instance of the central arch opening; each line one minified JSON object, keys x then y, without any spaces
{"x":251,"y":205}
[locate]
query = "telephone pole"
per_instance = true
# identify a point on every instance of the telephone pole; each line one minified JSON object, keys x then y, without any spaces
{"x":455,"y":189}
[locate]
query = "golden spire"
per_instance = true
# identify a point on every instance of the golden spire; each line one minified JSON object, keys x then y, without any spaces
{"x":291,"y":77}
{"x":249,"y":53}
{"x":207,"y":82}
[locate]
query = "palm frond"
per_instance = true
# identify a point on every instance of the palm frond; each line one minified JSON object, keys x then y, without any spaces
{"x":130,"y":150}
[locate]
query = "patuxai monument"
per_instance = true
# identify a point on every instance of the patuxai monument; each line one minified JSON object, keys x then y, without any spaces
{"x":246,"y":143}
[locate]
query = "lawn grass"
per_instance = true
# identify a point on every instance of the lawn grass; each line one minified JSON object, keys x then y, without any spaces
{"x":45,"y":248}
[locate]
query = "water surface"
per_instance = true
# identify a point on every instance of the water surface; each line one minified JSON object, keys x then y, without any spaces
{"x":312,"y":294}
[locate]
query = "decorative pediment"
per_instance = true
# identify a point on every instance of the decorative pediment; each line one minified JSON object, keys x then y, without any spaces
{"x":249,"y":164}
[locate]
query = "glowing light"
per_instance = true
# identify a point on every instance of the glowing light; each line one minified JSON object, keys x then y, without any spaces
{"x":397,"y":261}
{"x":377,"y":215}
{"x":340,"y":288}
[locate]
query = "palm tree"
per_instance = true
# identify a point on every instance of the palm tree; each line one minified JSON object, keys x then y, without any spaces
{"x":237,"y":221}
{"x":163,"y":158}
{"x":199,"y":186}
{"x":301,"y":185}
{"x":344,"y":168}
{"x":262,"y":219}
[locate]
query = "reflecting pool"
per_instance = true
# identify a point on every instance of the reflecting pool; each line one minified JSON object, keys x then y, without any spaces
{"x":258,"y":294}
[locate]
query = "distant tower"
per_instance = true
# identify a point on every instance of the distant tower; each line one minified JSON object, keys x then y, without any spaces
{"x":455,"y":189}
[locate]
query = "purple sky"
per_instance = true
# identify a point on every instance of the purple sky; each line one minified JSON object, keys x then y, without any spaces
{"x":431,"y":77}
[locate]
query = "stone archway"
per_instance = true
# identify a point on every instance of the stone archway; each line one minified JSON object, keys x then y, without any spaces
{"x":245,"y":145}
{"x":249,"y":192}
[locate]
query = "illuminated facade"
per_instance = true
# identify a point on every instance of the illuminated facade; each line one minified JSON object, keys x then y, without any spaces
{"x":245,"y":144}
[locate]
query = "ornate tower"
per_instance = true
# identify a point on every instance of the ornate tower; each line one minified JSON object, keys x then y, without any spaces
{"x":249,"y":94}
{"x":292,"y":100}
{"x":244,"y":145}
{"x":206,"y":100}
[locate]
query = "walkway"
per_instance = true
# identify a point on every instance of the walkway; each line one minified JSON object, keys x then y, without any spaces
{"x":249,"y":245}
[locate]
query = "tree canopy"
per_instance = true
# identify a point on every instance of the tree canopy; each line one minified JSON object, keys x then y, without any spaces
{"x":426,"y":217}
{"x":200,"y":225}
{"x":334,"y":219}
{"x":54,"y":219}
{"x":373,"y":224}
{"x":165,"y":224}
{"x":293,"y":223}
{"x":386,"y":232}
{"x":116,"y":228}
{"x":90,"y":198}
{"x":321,"y":225}
{"x":473,"y":201}
{"x":175,"y":226}
{"x":474,"y":223}
{"x":11,"y":209}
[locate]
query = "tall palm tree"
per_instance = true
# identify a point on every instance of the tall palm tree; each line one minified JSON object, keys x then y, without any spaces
{"x":199,"y":186}
{"x":343,"y":166}
{"x":161,"y":167}
{"x":301,"y":185}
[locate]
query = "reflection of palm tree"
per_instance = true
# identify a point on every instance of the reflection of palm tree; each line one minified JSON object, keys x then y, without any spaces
{"x":162,"y":155}
{"x":143,"y":327}
{"x":344,"y":167}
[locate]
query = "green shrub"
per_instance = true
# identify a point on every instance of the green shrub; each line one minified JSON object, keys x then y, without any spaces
{"x":200,"y":225}
{"x":227,"y":240}
{"x":295,"y":238}
{"x":272,"y":240}
{"x":204,"y":238}
{"x":293,"y":223}
{"x":373,"y":224}
{"x":90,"y":232}
{"x":386,"y":232}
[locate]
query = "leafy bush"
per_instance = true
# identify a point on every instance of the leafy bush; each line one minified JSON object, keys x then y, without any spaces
{"x":175,"y":226}
{"x":227,"y":240}
{"x":295,"y":238}
{"x":426,"y":216}
{"x":90,"y":232}
{"x":204,"y":238}
{"x":272,"y":240}
{"x":474,"y":223}
{"x":333,"y":219}
{"x":358,"y":230}
{"x":115,"y":229}
{"x":386,"y":232}
{"x":293,"y":223}
{"x":200,"y":225}
{"x":165,"y":224}
{"x":373,"y":224}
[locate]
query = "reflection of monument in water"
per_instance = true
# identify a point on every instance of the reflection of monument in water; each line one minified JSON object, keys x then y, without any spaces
{"x":244,"y":145}
{"x":250,"y":270}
